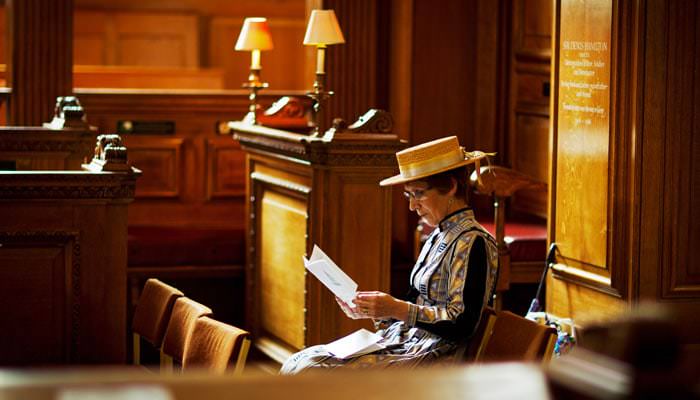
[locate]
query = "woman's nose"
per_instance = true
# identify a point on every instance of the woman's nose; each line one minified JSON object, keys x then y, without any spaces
{"x":412,"y":203}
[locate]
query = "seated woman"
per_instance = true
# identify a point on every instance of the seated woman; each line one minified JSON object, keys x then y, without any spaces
{"x":451,"y":282}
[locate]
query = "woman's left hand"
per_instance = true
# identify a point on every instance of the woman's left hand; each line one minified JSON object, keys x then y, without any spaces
{"x":380,"y":305}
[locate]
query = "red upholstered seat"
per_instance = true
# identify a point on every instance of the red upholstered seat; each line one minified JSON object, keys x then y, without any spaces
{"x":157,"y":246}
{"x":527,"y":240}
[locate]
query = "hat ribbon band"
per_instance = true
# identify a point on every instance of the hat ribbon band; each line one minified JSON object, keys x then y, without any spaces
{"x":432,"y":164}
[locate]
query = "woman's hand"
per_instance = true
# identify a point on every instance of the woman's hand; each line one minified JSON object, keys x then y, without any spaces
{"x":380,"y":305}
{"x":350,"y":311}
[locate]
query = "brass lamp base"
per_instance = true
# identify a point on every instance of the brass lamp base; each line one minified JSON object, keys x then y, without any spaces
{"x":255,"y":85}
{"x":318,"y":95}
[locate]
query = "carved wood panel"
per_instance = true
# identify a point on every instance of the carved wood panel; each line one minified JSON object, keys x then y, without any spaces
{"x":681,"y":145}
{"x":161,"y":162}
{"x":225,"y":168}
{"x":669,"y":238}
{"x":40,"y":297}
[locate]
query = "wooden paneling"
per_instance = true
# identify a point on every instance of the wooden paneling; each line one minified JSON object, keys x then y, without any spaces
{"x":196,"y":35}
{"x":225,"y":177}
{"x":650,"y":245}
{"x":271,"y":9}
{"x":443,"y":36}
{"x":42,"y":303}
{"x":669,"y":243}
{"x":135,"y":38}
{"x":40,"y":64}
{"x":92,"y":45}
{"x":160,"y":159}
{"x":284,"y":66}
{"x":535,"y":22}
{"x":355,"y":251}
{"x":195,"y":164}
{"x":99,"y":76}
{"x":283,"y":224}
{"x":528,"y":108}
{"x":583,"y":304}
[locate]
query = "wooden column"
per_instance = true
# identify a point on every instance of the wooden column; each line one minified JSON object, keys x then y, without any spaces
{"x":40,"y":58}
{"x":357,"y":70}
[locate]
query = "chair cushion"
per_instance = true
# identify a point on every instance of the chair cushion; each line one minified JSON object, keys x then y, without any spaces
{"x":153,"y":310}
{"x":213,"y":345}
{"x":161,"y":245}
{"x":185,"y":313}
{"x":527,"y":241}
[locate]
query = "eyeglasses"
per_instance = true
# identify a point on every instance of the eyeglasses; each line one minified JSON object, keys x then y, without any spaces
{"x":418,"y":194}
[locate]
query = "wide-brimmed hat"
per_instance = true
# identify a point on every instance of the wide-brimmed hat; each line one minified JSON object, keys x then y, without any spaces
{"x":432,"y":158}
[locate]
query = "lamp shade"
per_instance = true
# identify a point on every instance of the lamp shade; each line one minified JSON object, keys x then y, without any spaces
{"x":323,"y":29}
{"x":255,"y":35}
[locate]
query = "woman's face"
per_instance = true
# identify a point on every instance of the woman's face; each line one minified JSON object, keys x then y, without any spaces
{"x":427,"y":202}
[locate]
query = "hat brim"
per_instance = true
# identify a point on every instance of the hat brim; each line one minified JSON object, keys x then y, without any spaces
{"x":398,"y":179}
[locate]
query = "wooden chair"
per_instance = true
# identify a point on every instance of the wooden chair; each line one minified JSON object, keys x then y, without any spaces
{"x":215,"y":345}
{"x":152,"y":315}
{"x":514,"y":338}
{"x":471,"y":350}
{"x":182,"y":321}
{"x":502,"y":183}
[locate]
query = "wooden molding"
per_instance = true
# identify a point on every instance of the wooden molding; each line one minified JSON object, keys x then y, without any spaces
{"x":67,"y":185}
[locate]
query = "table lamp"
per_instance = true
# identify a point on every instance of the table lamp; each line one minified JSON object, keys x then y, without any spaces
{"x":322,"y":30}
{"x":254,"y":37}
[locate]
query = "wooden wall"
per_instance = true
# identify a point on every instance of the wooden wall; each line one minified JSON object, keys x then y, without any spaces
{"x":623,"y":187}
{"x":198,"y":35}
{"x":667,"y":179}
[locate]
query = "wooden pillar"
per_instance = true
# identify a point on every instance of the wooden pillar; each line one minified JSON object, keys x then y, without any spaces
{"x":40,"y":58}
{"x":357,"y":70}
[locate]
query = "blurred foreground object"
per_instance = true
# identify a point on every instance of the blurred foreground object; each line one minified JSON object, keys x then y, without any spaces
{"x":636,"y":356}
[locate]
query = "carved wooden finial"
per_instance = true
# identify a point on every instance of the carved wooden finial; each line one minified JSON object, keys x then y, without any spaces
{"x":68,"y":113}
{"x":373,"y":121}
{"x":110,"y":154}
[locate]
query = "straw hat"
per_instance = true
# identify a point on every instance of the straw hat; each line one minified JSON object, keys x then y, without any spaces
{"x":432,"y":158}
